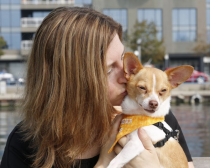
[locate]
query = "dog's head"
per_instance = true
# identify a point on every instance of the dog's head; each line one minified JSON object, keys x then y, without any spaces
{"x":150,"y":87}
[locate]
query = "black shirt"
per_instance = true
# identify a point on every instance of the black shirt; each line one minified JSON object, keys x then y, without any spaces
{"x":17,"y":151}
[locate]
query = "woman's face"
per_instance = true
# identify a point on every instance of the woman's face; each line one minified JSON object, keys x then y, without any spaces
{"x":116,"y":80}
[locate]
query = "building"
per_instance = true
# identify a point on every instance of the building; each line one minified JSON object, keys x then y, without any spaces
{"x":180,"y":23}
{"x":19,"y":20}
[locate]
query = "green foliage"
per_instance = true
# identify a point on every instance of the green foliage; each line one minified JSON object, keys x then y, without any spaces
{"x":151,"y":47}
{"x":2,"y":44}
{"x":202,"y":47}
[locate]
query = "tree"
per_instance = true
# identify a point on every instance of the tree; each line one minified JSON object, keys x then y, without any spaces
{"x":2,"y":44}
{"x":202,"y":47}
{"x":151,"y":47}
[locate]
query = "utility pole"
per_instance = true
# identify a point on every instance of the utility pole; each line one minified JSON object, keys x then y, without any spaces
{"x":139,"y":48}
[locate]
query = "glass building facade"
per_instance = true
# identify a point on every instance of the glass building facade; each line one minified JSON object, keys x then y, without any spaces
{"x":10,"y":15}
{"x":84,"y":2}
{"x":208,"y":19}
{"x":184,"y":24}
{"x":120,"y":16}
{"x":10,"y":21}
{"x":152,"y":15}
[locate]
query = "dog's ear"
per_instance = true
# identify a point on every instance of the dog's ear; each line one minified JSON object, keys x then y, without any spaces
{"x":178,"y":75}
{"x":131,"y":64}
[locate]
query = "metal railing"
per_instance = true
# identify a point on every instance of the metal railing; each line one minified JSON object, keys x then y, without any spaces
{"x":47,"y":2}
{"x":31,"y":22}
{"x":26,"y":44}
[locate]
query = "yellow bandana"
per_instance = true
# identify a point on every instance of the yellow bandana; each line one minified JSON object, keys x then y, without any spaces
{"x":130,"y":123}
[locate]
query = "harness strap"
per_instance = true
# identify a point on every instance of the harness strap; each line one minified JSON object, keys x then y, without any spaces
{"x":174,"y":134}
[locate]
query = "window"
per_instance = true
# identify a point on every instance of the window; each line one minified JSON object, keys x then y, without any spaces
{"x":5,"y":2}
{"x":5,"y":18}
{"x":10,"y":1}
{"x":15,"y":1}
{"x":10,"y":27}
{"x":16,"y":41}
{"x":152,"y":15}
{"x":40,"y":14}
{"x":15,"y":18}
{"x":84,"y":2}
{"x":6,"y":37}
{"x":10,"y":18}
{"x":120,"y":16}
{"x":208,"y":20}
{"x":184,"y":24}
{"x":208,"y":36}
{"x":13,"y":40}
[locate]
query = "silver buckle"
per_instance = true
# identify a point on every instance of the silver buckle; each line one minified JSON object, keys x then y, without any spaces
{"x":177,"y":136}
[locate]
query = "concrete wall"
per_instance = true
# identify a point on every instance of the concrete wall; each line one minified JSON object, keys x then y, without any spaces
{"x":167,"y":6}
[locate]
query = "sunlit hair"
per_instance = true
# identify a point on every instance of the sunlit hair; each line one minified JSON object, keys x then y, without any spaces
{"x":66,"y":107}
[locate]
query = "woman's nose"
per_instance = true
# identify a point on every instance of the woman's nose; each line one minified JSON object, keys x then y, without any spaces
{"x":122,"y":79}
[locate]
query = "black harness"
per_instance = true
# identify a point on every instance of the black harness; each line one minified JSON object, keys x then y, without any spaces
{"x":174,"y":134}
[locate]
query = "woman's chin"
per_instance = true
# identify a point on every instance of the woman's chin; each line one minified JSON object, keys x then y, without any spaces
{"x":117,"y":103}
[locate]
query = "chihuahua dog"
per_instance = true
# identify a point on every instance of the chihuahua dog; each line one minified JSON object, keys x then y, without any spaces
{"x":149,"y":97}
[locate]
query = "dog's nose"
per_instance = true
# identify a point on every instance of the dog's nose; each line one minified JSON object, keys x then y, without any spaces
{"x":153,"y":104}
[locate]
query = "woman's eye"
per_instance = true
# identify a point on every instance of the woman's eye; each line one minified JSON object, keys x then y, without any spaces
{"x":109,"y":71}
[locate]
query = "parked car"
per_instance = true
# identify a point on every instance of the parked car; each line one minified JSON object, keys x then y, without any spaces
{"x":10,"y":79}
{"x":4,"y":75}
{"x":21,"y":81}
{"x":197,"y":76}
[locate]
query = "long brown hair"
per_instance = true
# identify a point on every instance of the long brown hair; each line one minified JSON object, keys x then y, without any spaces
{"x":66,"y":107}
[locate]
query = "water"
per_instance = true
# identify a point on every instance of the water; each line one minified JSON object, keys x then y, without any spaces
{"x":194,"y":121}
{"x":8,"y":119}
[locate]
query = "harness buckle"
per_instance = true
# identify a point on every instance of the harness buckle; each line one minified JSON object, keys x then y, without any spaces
{"x":177,"y":135}
{"x":159,"y":125}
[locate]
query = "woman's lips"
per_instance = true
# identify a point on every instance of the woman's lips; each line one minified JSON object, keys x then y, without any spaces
{"x":124,"y":93}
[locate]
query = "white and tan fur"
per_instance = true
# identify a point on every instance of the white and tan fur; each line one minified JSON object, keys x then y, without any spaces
{"x":149,"y":94}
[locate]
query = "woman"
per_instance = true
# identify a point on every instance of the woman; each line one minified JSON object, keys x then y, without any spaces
{"x":74,"y":78}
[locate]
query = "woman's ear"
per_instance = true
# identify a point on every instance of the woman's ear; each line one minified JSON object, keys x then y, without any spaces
{"x":178,"y":75}
{"x":131,"y":64}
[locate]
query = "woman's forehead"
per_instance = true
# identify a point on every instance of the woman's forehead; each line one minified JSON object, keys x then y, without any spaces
{"x":115,"y":50}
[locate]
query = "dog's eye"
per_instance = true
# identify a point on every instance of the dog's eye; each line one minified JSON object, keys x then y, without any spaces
{"x":143,"y":88}
{"x":164,"y":90}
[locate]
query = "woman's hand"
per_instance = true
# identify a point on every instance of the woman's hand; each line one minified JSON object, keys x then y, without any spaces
{"x":105,"y":157}
{"x":147,"y":159}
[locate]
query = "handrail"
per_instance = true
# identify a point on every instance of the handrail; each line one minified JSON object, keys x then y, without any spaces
{"x":31,"y":22}
{"x":37,"y":2}
{"x":199,"y":162}
{"x":26,"y":44}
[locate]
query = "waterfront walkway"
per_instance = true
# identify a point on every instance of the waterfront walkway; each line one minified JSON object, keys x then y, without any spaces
{"x":185,"y":90}
{"x":199,"y":162}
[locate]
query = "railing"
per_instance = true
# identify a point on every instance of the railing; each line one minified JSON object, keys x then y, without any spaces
{"x":199,"y":162}
{"x":31,"y":22}
{"x":47,"y":2}
{"x":26,"y":44}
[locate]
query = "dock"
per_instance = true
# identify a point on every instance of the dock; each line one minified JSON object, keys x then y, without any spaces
{"x":185,"y":91}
